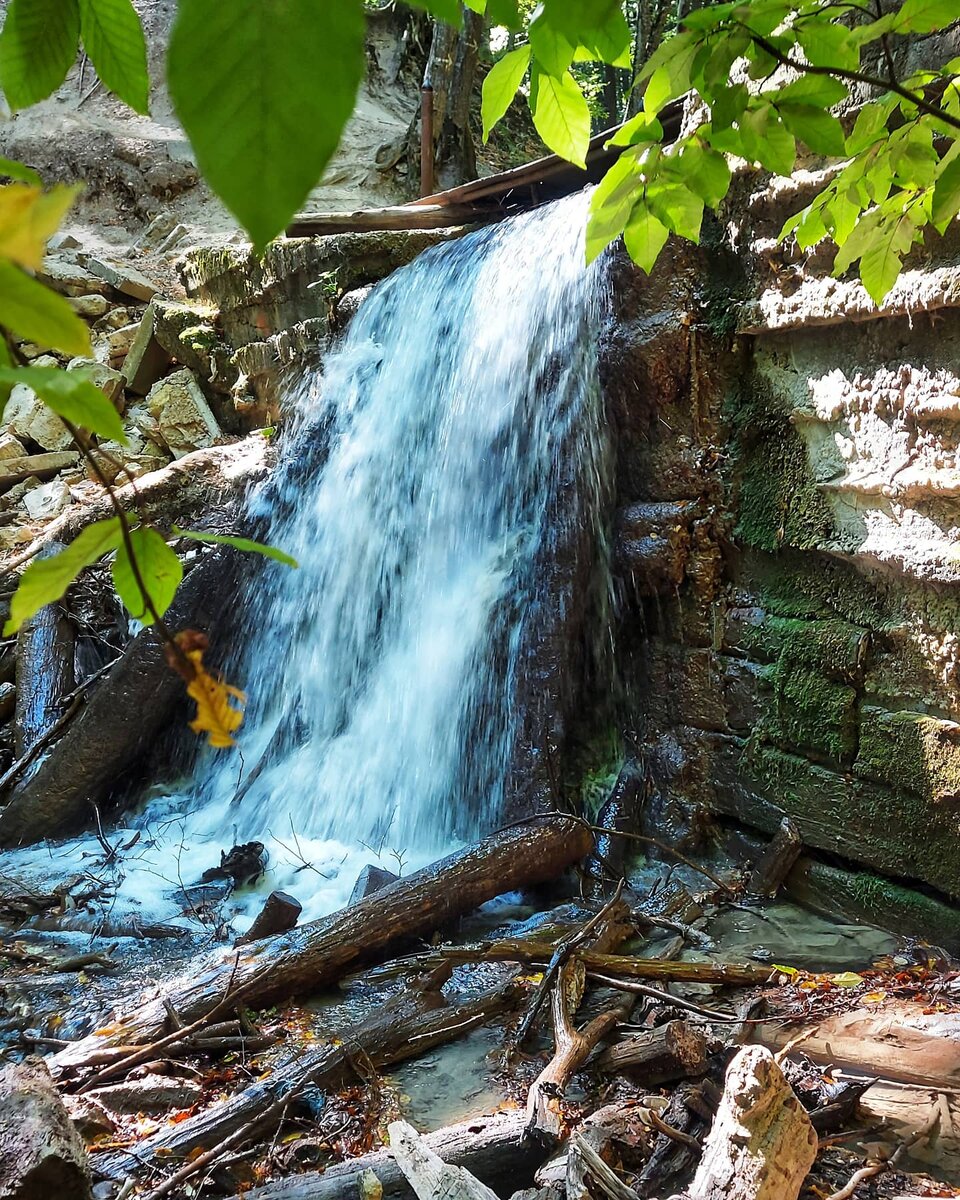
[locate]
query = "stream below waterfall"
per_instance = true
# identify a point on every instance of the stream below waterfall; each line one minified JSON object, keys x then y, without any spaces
{"x":430,"y":473}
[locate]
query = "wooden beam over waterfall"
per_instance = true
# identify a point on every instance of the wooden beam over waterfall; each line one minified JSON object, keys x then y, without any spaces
{"x":483,"y":200}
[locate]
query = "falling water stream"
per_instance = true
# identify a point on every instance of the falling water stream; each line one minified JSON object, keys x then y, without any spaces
{"x":427,"y":473}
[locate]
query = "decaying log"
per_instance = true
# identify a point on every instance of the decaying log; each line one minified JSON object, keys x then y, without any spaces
{"x":45,"y":678}
{"x":181,"y":492}
{"x":323,"y":951}
{"x":491,"y":1148}
{"x":410,"y":1025}
{"x":41,"y":1155}
{"x":398,"y":216}
{"x":123,"y":715}
{"x":429,"y":1176}
{"x":585,"y":1161}
{"x":761,"y":1145}
{"x":900,"y":1042}
{"x":672,"y":1051}
{"x":776,"y":860}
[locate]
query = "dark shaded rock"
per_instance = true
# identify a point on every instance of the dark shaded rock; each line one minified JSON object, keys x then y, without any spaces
{"x":41,"y":1155}
{"x":242,"y":864}
{"x":370,"y":880}
{"x":280,"y":912}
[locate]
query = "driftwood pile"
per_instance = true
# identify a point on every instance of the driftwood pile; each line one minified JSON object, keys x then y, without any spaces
{"x":625,"y":1074}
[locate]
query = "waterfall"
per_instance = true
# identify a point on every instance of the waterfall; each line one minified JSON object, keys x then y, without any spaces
{"x":449,"y":449}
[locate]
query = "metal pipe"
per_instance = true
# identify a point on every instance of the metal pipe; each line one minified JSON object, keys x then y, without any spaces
{"x":426,"y":140}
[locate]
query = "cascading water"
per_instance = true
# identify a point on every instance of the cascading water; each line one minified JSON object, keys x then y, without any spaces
{"x":444,"y":455}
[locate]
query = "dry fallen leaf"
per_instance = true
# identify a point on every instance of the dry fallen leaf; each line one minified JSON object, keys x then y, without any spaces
{"x":219,"y":705}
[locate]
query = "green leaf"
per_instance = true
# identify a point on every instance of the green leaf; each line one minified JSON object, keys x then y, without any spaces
{"x":869,"y":127}
{"x":16,"y":170}
{"x":612,"y":202}
{"x":577,"y":19}
{"x":501,"y":85}
{"x":644,"y":237}
{"x":946,"y":195}
{"x":263,"y":92}
{"x":46,"y":579}
{"x":638,"y":130}
{"x":113,"y":39}
{"x":553,"y":51}
{"x":865,"y":234}
{"x":768,"y":141}
{"x":706,"y":173}
{"x":34,"y":313}
{"x":499,"y":12}
{"x":159,"y":569}
{"x":561,"y":114}
{"x":676,"y":207}
{"x":239,"y":543}
{"x":828,"y":45}
{"x":925,"y":16}
{"x":880,"y":268}
{"x":610,"y":42}
{"x":820,"y":90}
{"x":38,"y":46}
{"x":72,"y":396}
{"x":816,"y":128}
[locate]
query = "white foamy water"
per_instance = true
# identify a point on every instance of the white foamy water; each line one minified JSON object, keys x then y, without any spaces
{"x":448,"y":443}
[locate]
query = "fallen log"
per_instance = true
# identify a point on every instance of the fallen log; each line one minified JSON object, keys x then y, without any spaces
{"x":181,"y":492}
{"x":675,"y":1050}
{"x":540,"y":953}
{"x":899,"y":1042}
{"x":41,"y":1154}
{"x":120,"y":719}
{"x":410,"y":1025}
{"x":761,"y":1145}
{"x":323,"y":951}
{"x":397,"y":216}
{"x":429,"y":1176}
{"x":492,"y":1148}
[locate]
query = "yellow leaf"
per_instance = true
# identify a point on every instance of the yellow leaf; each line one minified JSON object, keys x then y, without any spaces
{"x":874,"y":997}
{"x":789,"y":971}
{"x":29,"y":216}
{"x":219,"y":707}
{"x":847,"y":979}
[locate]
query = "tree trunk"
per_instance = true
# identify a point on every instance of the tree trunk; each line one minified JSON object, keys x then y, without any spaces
{"x":129,"y":708}
{"x":491,"y":1148}
{"x":321,"y":952}
{"x":452,"y":73}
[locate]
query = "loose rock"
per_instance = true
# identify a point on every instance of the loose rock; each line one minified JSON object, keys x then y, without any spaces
{"x":184,"y":418}
{"x":42,"y":1153}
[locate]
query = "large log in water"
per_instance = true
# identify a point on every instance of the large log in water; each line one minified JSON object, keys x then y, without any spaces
{"x":321,"y":952}
{"x":130,"y":707}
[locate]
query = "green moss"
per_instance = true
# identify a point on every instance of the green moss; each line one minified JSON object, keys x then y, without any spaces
{"x":780,"y":504}
{"x":911,"y":750}
{"x":861,"y":896}
{"x":813,"y":713}
{"x":835,"y":648}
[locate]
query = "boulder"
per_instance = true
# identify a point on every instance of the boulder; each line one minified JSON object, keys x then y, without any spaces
{"x":48,"y":500}
{"x":41,"y":466}
{"x":183,"y":416}
{"x":29,"y":418}
{"x":117,"y":344}
{"x":41,"y":1154}
{"x":10,"y":447}
{"x":125,"y":279}
{"x":65,"y":275}
{"x":146,"y":361}
{"x":91,"y":307}
{"x":109,"y":381}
